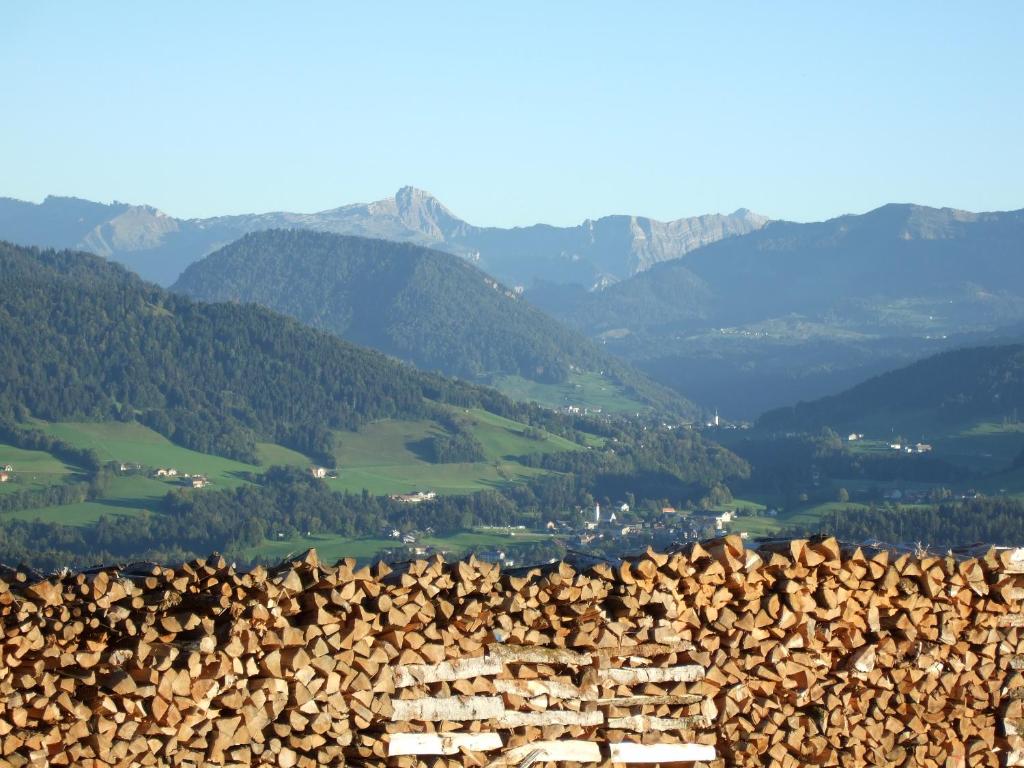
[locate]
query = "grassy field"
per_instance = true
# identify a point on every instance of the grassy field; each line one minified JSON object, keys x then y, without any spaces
{"x":382,"y":457}
{"x":808,"y":517}
{"x":502,"y":438}
{"x":134,"y":443}
{"x":128,"y":496}
{"x":984,"y":447}
{"x":33,"y":469}
{"x":332,"y":548}
{"x":130,"y":443}
{"x":586,"y":390}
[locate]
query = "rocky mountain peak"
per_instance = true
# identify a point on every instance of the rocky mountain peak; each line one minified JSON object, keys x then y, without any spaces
{"x":421,"y":211}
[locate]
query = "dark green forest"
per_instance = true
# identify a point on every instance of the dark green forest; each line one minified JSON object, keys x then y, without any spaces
{"x":83,"y":339}
{"x":427,"y":307}
{"x":945,"y":389}
{"x":996,"y":521}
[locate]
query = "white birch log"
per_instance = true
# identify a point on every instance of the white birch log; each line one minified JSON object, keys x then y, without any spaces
{"x":534,"y":654}
{"x":685,"y":674}
{"x":627,"y":752}
{"x":567,"y":750}
{"x":454,"y":708}
{"x":646,"y":723}
{"x":640,"y":701}
{"x":530,"y":688}
{"x":551,"y":717}
{"x":446,"y":671}
{"x":645,"y":650}
{"x":441,"y":743}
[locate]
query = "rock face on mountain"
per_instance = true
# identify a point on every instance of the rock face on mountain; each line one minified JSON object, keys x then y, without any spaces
{"x":159,"y":247}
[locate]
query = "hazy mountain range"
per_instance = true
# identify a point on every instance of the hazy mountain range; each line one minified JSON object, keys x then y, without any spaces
{"x":795,"y":311}
{"x":734,"y":312}
{"x":159,"y":247}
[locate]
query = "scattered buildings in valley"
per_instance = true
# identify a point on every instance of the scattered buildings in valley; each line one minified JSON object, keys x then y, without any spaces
{"x":318,"y":472}
{"x":5,"y":477}
{"x":413,"y":498}
{"x":916,"y":448}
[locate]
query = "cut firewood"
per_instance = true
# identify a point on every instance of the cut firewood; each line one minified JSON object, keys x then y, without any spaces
{"x":801,"y":653}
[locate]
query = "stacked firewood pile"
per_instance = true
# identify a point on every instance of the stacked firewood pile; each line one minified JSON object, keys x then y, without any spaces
{"x":799,"y":653}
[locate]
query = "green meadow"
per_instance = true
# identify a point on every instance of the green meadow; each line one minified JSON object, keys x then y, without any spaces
{"x":384,"y":457}
{"x":32,"y":469}
{"x":585,"y":390}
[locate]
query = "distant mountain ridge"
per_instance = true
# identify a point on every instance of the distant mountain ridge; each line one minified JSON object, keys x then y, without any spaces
{"x":796,"y":311}
{"x":159,"y":247}
{"x":425,"y":306}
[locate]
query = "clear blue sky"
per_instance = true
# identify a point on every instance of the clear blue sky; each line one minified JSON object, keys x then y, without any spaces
{"x":519,"y":112}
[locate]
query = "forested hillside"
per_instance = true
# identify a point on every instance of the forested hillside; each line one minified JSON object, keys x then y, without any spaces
{"x":83,"y":339}
{"x":431,"y":308}
{"x":428,"y":307}
{"x":951,"y":388}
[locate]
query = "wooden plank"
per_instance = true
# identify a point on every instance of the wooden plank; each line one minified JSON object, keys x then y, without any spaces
{"x":684,"y":674}
{"x":550,"y":717}
{"x":645,"y":723}
{"x":441,"y":743}
{"x":454,"y":708}
{"x":446,"y":671}
{"x":627,"y":752}
{"x":568,"y":750}
{"x":534,"y":654}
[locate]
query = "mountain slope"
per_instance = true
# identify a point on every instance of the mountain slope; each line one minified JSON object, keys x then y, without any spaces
{"x":797,"y":311}
{"x":82,"y":339}
{"x":948,"y":389}
{"x":838,"y":270}
{"x":160,"y":247}
{"x":424,"y":306}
